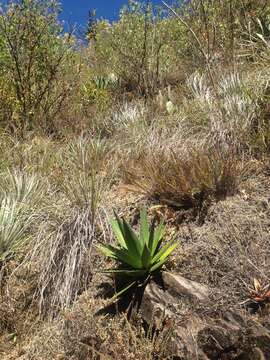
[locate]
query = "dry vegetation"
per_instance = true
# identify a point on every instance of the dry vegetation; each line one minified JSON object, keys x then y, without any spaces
{"x":182,"y":126}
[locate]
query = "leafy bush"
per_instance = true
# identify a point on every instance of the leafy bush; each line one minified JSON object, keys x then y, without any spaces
{"x":139,"y":48}
{"x":220,"y":28}
{"x":35,"y":64}
{"x":95,"y":93}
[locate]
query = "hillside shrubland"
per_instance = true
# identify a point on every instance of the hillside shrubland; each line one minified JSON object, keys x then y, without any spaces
{"x":167,"y":109}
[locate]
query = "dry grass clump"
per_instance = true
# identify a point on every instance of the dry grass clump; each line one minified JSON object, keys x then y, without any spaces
{"x":182,"y":173}
{"x":6,"y":144}
{"x":74,"y":220}
{"x":64,"y":261}
{"x":82,"y":335}
{"x":36,"y":155}
{"x":18,"y":312}
{"x":122,"y":118}
{"x":227,"y":111}
{"x":85,"y":171}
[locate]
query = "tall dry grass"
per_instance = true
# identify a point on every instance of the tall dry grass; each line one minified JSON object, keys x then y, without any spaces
{"x":75,"y":219}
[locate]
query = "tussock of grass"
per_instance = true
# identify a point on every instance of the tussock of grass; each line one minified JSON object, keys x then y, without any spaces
{"x":183,"y":174}
{"x":85,"y":172}
{"x":73,"y":222}
{"x":64,"y":259}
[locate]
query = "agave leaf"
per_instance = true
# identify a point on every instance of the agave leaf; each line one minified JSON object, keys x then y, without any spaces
{"x":121,"y":228}
{"x":108,"y":250}
{"x":163,"y":258}
{"x":139,"y":255}
{"x":144,"y":227}
{"x":121,"y":255}
{"x":156,"y":237}
{"x":158,"y":265}
{"x":164,"y":252}
{"x":126,"y":272}
{"x":133,"y":244}
{"x":146,"y":257}
{"x":168,"y":252}
{"x":122,"y":291}
{"x":118,"y":231}
{"x":128,"y":258}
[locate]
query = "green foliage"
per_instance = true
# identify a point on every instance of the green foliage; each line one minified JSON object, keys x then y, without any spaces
{"x":95,"y":94}
{"x":35,"y":64}
{"x":98,"y":91}
{"x":140,"y":48}
{"x":141,"y":254}
{"x":12,"y":229}
{"x":90,"y":32}
{"x":222,"y":26}
{"x":149,"y":49}
{"x":104,"y":82}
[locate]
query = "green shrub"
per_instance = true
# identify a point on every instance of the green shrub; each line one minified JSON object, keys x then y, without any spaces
{"x":35,"y":64}
{"x":139,"y":48}
{"x":96,"y":94}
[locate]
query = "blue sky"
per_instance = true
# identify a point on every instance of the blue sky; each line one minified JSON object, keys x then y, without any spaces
{"x":75,"y":11}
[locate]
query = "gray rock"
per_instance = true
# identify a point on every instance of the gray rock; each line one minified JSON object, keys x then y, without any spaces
{"x":180,"y":286}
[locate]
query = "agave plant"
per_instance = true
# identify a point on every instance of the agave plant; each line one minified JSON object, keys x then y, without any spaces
{"x":138,"y":255}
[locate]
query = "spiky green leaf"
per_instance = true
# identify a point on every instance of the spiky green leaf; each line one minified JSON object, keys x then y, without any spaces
{"x":163,"y":258}
{"x":133,"y":244}
{"x":156,"y":237}
{"x":144,"y":227}
{"x":128,"y":258}
{"x":119,"y":293}
{"x":157,"y":266}
{"x":126,"y":272}
{"x":108,"y":250}
{"x":138,"y":255}
{"x":121,"y":255}
{"x":146,"y":257}
{"x":118,"y":231}
{"x":164,"y":252}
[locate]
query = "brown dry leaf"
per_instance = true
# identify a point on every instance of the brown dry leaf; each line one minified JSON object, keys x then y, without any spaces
{"x":257,"y":285}
{"x":267,"y":295}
